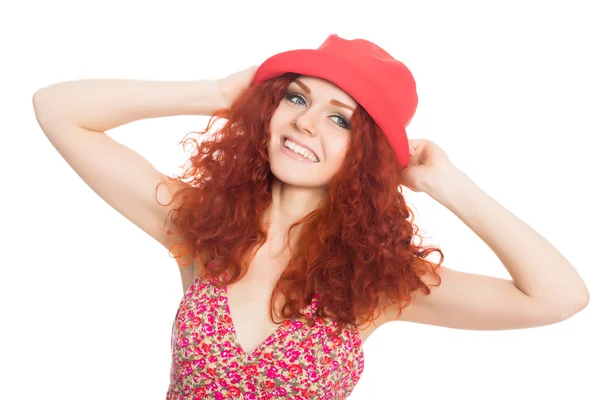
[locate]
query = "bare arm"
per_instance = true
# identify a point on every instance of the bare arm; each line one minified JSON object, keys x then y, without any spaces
{"x":103,"y":104}
{"x":545,"y":287}
{"x":74,"y":116}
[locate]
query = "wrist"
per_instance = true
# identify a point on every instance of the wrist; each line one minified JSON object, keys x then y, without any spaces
{"x":445,"y":185}
{"x":210,"y":97}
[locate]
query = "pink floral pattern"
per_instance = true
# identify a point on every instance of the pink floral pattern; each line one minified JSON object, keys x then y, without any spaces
{"x":295,"y":362}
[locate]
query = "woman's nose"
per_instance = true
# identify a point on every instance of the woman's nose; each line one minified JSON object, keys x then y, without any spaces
{"x":305,"y":122}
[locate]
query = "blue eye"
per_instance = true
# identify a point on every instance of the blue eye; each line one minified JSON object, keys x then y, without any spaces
{"x":345,"y":123}
{"x":290,"y":96}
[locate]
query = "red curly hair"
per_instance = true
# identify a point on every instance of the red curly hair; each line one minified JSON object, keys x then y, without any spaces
{"x":354,"y":249}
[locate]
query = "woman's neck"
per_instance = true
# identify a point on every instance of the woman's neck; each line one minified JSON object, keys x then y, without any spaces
{"x":289,"y":205}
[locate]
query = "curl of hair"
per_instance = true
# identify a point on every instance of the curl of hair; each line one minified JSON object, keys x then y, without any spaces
{"x":356,"y":250}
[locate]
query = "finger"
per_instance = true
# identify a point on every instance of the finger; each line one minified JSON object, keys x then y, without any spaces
{"x":414,"y":143}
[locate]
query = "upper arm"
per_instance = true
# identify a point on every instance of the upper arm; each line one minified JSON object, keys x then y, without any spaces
{"x":476,"y":302}
{"x":118,"y":174}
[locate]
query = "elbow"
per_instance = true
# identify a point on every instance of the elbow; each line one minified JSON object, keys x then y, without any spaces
{"x":583,"y":303}
{"x":36,"y":98}
{"x":572,"y":307}
{"x":40,"y":108}
{"x":584,"y":299}
{"x":37,"y":103}
{"x":563,"y":308}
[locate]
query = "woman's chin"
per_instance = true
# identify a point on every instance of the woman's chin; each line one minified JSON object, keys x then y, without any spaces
{"x":294,"y":175}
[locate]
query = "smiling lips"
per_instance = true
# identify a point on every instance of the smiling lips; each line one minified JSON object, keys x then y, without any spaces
{"x":297,"y":152}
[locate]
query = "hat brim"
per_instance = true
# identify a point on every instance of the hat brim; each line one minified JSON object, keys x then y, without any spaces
{"x":347,"y":77}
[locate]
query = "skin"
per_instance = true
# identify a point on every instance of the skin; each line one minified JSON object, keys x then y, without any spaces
{"x":317,"y":113}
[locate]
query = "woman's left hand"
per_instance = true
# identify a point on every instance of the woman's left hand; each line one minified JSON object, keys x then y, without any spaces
{"x":427,"y":160}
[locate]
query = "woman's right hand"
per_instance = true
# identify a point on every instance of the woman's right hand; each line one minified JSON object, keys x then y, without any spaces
{"x":233,"y":85}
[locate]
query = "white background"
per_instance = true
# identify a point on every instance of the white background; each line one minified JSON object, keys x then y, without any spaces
{"x":509,"y":89}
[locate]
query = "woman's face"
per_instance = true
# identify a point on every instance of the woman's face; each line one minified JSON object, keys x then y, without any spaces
{"x":314,"y":114}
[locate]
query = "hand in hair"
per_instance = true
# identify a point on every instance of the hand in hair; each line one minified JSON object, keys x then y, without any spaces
{"x":234,"y":84}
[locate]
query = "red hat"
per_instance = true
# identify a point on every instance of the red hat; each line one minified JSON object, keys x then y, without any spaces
{"x":382,"y":85}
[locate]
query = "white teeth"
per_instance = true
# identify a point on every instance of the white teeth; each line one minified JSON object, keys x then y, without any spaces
{"x":300,"y":150}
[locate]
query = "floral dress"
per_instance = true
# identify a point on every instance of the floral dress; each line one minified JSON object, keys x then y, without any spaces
{"x":295,"y":362}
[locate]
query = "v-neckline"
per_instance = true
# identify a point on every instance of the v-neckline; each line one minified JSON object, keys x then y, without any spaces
{"x":237,"y":343}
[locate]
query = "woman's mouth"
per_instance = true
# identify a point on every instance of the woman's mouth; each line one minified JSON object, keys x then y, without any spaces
{"x":296,"y":156}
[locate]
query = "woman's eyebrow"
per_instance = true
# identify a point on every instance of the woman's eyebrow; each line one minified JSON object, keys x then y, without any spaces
{"x":340,"y":104}
{"x":332,"y":102}
{"x":302,"y":85}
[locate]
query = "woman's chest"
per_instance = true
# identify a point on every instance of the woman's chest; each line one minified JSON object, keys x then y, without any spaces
{"x":225,"y":335}
{"x":248,"y":303}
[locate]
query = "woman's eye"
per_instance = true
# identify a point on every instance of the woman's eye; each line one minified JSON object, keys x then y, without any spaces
{"x":344,"y":122}
{"x":290,"y":96}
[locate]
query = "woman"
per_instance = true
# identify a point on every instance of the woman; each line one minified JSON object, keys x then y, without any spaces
{"x":289,"y":224}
